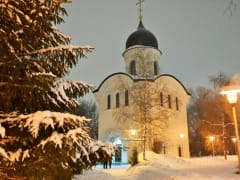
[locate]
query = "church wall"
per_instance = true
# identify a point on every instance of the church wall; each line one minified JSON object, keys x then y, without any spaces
{"x":107,"y":117}
{"x":177,"y":123}
{"x":144,"y":58}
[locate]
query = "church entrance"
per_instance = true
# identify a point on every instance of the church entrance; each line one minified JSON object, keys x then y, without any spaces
{"x":121,"y":156}
{"x":115,"y":137}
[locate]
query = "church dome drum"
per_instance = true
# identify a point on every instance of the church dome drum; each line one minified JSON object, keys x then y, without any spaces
{"x":142,"y":37}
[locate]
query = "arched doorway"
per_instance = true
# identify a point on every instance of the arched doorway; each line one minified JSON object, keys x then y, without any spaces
{"x":121,"y":156}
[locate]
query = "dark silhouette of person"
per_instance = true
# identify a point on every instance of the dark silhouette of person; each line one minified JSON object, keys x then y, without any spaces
{"x":110,"y":162}
{"x":105,"y":164}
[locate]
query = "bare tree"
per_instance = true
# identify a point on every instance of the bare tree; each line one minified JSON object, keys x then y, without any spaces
{"x":208,"y":115}
{"x":232,"y":5}
{"x":145,"y":110}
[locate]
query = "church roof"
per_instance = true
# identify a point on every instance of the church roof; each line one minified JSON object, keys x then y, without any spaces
{"x":135,"y":79}
{"x":143,"y":37}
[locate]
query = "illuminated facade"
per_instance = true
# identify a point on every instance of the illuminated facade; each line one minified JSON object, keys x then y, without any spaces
{"x":121,"y":96}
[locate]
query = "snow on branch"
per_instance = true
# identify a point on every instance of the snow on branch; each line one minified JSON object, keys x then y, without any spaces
{"x":44,"y":74}
{"x":108,"y":147}
{"x":71,"y":48}
{"x":3,"y":153}
{"x":56,"y":138}
{"x":34,"y":137}
{"x":46,"y":119}
{"x":2,"y":131}
{"x":15,"y":156}
{"x":63,"y":92}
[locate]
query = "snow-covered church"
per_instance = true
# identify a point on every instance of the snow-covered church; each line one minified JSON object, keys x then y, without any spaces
{"x":142,"y":108}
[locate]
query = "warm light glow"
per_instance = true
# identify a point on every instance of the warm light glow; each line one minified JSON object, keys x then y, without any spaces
{"x":234,"y":140}
{"x":231,"y":93}
{"x":181,"y":135}
{"x":133,"y":131}
{"x":232,"y":98}
{"x":211,"y":138}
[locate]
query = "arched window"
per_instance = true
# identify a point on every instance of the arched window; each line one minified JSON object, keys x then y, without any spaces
{"x":161,"y":98}
{"x":155,"y":68}
{"x":108,"y":102}
{"x":177,"y":104}
{"x":126,"y":98}
{"x":117,"y":100}
{"x":133,"y":67}
{"x":169,"y":101}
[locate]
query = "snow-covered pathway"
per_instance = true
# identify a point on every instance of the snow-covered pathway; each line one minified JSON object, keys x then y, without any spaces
{"x":117,"y":172}
{"x":169,"y":168}
{"x":213,"y":168}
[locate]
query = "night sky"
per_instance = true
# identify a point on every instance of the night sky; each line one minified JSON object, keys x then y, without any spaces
{"x":198,"y":38}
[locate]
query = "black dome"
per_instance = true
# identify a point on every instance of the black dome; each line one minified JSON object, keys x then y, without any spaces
{"x":142,"y":37}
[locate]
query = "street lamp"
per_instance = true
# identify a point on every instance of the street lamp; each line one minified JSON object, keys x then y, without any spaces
{"x":181,"y":135}
{"x":133,"y":132}
{"x":234,"y":142}
{"x":212,"y":139}
{"x":231,"y":93}
{"x":181,"y":146}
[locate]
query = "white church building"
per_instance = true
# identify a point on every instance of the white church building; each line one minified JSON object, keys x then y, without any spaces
{"x":142,"y":108}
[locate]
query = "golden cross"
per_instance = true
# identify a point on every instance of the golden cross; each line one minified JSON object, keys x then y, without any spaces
{"x":140,"y":9}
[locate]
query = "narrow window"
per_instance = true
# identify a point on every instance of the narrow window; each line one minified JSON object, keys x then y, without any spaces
{"x":161,"y":98}
{"x":177,"y":104}
{"x":117,"y":100}
{"x":133,"y":67}
{"x":169,"y":101}
{"x":155,"y":68}
{"x":126,"y":98}
{"x":108,"y":102}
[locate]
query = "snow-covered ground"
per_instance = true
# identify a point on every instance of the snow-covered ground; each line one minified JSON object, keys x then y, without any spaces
{"x":160,"y":167}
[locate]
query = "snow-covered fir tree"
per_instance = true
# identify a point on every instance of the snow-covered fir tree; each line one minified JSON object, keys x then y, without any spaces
{"x":39,"y":139}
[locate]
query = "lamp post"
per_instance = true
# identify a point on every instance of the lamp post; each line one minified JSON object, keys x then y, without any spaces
{"x":234,"y":142}
{"x":212,"y":139}
{"x":135,"y":138}
{"x":231,"y":92}
{"x":181,"y":146}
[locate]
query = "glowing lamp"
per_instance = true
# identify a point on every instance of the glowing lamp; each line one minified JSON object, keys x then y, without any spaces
{"x":231,"y":93}
{"x":181,"y":135}
{"x":211,"y":138}
{"x":133,"y":131}
{"x":234,"y":140}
